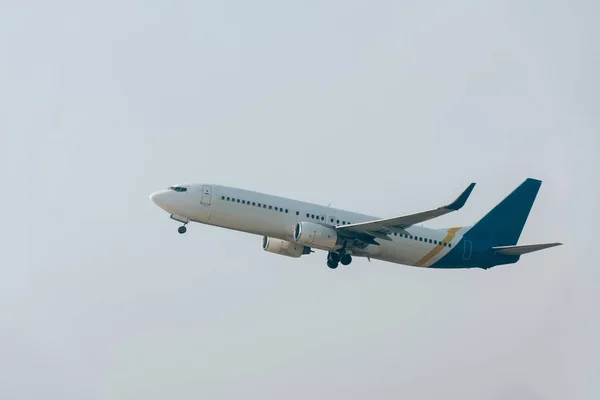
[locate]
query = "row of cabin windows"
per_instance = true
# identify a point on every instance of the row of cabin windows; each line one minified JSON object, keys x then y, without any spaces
{"x":255,"y":204}
{"x":322,"y":218}
{"x":422,"y":239}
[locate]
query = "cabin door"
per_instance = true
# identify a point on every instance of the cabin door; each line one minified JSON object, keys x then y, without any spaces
{"x":467,"y":251}
{"x":206,"y":195}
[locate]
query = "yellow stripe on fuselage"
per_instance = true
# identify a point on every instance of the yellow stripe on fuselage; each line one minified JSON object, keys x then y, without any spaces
{"x":435,"y":251}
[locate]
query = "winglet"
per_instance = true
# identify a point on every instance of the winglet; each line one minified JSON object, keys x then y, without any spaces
{"x":462,"y":199}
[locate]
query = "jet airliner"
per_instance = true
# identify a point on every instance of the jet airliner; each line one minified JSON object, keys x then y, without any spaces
{"x":294,"y":228}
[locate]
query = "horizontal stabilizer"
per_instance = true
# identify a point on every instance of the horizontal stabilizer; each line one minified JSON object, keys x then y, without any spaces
{"x":518,"y":250}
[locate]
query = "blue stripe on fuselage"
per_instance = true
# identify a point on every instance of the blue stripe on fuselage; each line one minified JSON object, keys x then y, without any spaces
{"x":481,"y":256}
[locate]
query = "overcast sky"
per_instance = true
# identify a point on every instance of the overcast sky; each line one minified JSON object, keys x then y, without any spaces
{"x":380,"y":107}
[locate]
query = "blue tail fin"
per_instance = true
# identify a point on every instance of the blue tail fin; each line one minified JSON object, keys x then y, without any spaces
{"x":503,"y":225}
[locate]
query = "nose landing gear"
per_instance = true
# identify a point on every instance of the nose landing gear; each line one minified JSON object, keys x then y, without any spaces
{"x":184,"y":220}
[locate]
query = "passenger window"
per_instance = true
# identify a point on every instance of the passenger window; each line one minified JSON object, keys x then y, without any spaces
{"x":264,"y":206}
{"x":286,"y":210}
{"x":228,"y":199}
{"x":307,"y":215}
{"x":322,"y":218}
{"x":338,"y":221}
{"x":270,"y":207}
{"x":253,"y":203}
{"x":449,"y":244}
{"x":420,"y":239}
{"x":435,"y":242}
{"x":238,"y":200}
{"x":243,"y":201}
{"x":430,"y":241}
{"x":275,"y":208}
{"x":343,"y":222}
{"x":297,"y":212}
{"x":259,"y":205}
{"x":312,"y":216}
{"x":281,"y":210}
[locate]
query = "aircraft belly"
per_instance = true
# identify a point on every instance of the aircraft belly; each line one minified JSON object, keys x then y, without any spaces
{"x":393,"y":252}
{"x":201,"y":215}
{"x":409,"y":253}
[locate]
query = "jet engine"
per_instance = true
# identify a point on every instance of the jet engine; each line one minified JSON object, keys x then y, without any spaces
{"x":283,"y":247}
{"x":311,"y":234}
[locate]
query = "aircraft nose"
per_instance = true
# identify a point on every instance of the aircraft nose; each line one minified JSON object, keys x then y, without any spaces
{"x":158,"y":198}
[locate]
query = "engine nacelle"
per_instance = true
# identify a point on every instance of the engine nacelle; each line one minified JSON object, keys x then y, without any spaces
{"x":283,"y":247}
{"x":311,"y":234}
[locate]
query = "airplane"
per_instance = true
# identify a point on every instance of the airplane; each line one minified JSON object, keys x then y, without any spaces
{"x":295,"y":228}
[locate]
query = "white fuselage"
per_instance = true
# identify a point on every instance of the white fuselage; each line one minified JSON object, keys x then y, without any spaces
{"x":273,"y":216}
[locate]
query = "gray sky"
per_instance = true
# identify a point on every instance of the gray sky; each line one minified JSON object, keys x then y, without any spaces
{"x":383,"y":107}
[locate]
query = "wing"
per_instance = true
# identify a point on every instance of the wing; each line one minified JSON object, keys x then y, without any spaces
{"x":382,"y":227}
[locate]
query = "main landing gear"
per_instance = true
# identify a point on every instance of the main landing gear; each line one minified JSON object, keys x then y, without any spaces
{"x":182,"y":229}
{"x":346,"y":259}
{"x":333,"y":259}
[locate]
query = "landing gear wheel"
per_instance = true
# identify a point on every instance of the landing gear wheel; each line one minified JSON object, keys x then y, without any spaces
{"x":332,"y":264}
{"x":333,"y":257}
{"x":182,"y":229}
{"x":346,"y":259}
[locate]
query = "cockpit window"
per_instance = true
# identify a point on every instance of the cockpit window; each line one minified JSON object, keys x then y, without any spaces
{"x":178,"y":188}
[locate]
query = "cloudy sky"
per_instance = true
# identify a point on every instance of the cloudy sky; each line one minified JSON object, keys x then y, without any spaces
{"x":381,"y":107}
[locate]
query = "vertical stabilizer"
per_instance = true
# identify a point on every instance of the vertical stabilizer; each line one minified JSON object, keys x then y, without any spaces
{"x":502,"y":226}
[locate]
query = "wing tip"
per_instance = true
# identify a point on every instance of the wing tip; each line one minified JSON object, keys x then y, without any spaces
{"x":462,"y":199}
